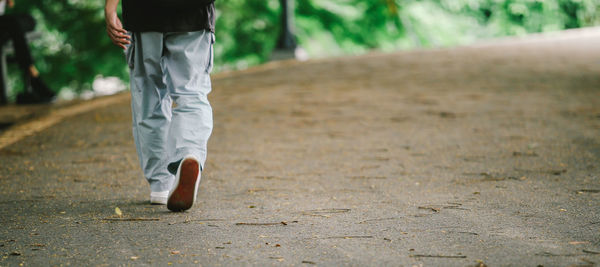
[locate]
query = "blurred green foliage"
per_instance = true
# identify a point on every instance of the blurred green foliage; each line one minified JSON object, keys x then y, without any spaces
{"x":74,"y":48}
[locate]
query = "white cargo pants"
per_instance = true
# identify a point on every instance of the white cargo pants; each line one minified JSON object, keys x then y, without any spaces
{"x":167,"y":68}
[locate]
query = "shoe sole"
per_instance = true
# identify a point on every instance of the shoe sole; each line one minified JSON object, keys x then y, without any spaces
{"x":182,"y":198}
{"x":157,"y":202}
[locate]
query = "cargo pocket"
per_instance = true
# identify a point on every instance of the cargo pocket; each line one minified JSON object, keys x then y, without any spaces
{"x":211,"y":54}
{"x":130,"y":51}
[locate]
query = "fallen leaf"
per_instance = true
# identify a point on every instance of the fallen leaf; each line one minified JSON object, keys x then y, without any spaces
{"x":134,"y":257}
{"x":280,"y":259}
{"x":175,"y":252}
{"x":118,"y":211}
{"x":578,"y":242}
{"x":588,"y":191}
{"x":533,"y":145}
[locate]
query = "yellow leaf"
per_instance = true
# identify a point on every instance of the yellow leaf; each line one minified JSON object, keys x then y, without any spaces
{"x":118,"y":211}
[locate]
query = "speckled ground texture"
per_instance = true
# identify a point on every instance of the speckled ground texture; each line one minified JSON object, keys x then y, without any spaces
{"x":487,"y":154}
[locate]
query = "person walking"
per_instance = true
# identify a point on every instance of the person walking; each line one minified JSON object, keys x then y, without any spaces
{"x":14,"y":27}
{"x":169,"y":49}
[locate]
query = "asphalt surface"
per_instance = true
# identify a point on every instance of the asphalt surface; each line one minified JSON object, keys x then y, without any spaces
{"x":486,"y":154}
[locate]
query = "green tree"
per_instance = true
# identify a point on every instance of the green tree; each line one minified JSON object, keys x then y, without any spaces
{"x":74,"y":48}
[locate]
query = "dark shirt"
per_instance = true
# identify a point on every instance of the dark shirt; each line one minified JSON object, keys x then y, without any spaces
{"x":168,"y":15}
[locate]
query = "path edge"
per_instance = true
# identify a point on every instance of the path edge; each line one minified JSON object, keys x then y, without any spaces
{"x":20,"y":131}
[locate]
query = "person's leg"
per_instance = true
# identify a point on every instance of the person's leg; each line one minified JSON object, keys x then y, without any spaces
{"x":187,"y":64}
{"x":16,"y":26}
{"x":151,"y":108}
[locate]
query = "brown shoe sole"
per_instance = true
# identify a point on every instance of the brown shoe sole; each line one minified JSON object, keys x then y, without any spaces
{"x":182,"y":197}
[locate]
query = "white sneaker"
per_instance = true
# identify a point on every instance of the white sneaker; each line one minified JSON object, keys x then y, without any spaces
{"x":159,"y":198}
{"x":183,"y":194}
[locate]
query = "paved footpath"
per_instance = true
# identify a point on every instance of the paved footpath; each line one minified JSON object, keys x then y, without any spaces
{"x":487,"y":154}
